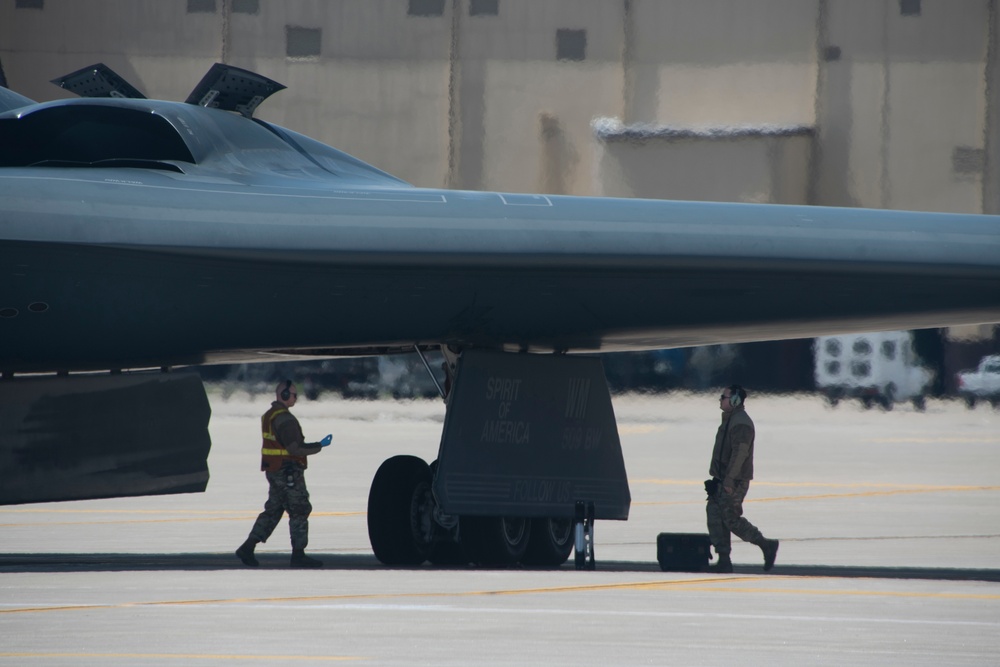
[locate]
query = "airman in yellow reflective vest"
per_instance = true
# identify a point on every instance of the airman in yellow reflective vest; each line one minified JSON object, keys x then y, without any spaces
{"x":283,"y":460}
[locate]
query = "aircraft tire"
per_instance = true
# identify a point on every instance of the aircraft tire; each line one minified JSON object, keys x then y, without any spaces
{"x":551,"y":542}
{"x":400,"y":525}
{"x":495,"y":541}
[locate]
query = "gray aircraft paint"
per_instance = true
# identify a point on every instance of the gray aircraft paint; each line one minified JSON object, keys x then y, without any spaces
{"x":103,"y":436}
{"x":173,"y":264}
{"x":530,"y":437}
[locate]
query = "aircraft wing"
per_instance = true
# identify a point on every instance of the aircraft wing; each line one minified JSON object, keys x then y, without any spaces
{"x":132,"y":267}
{"x":139,"y":233}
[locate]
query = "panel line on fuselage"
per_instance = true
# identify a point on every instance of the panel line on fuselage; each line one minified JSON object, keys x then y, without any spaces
{"x":401,"y":195}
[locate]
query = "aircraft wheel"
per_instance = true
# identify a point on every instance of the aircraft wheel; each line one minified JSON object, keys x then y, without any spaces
{"x":551,"y":542}
{"x":492,"y":540}
{"x":400,"y":511}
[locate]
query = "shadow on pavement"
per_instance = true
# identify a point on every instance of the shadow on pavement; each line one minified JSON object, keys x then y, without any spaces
{"x":139,"y":562}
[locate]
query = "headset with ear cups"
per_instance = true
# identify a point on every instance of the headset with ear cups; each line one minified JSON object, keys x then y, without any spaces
{"x":286,"y":393}
{"x":736,"y":395}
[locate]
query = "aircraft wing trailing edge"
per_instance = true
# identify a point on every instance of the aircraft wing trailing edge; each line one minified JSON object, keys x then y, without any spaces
{"x":148,"y":234}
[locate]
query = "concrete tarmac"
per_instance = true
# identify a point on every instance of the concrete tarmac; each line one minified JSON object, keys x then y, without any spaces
{"x":890,"y":554}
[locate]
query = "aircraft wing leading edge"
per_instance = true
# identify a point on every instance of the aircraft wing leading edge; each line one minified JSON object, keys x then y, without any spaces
{"x":156,"y":270}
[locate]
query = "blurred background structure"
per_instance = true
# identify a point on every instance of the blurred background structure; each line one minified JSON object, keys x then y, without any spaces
{"x":867,"y":103}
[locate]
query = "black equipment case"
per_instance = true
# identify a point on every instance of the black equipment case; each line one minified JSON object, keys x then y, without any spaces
{"x":683,"y":552}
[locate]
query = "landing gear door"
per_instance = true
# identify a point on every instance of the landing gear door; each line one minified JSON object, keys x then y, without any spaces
{"x":528,"y":436}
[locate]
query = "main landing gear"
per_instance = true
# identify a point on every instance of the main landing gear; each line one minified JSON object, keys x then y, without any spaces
{"x":526,"y":437}
{"x":406,"y":527}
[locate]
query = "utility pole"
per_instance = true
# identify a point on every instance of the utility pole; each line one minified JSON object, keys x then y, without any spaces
{"x":991,"y":125}
{"x":227,"y":10}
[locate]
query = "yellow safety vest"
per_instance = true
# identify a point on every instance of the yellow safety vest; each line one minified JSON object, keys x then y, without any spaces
{"x":272,"y":454}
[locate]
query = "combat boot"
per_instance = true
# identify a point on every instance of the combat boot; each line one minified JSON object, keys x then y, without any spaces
{"x":245,"y":553}
{"x":770,"y":549}
{"x":724,"y":566}
{"x":300,"y":559}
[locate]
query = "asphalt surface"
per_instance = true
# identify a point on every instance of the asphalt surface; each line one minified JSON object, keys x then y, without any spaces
{"x":890,"y":554}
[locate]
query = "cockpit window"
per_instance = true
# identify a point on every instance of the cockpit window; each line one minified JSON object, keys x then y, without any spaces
{"x":87,"y":135}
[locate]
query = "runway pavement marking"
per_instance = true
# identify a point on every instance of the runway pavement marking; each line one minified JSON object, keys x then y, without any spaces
{"x":869,"y":538}
{"x":890,"y":490}
{"x":705,"y":584}
{"x":924,"y":440}
{"x":883,"y":490}
{"x":520,"y":611}
{"x":639,"y":429}
{"x":187,"y":656}
{"x":201,"y":516}
{"x":244,"y":515}
{"x":841,"y":592}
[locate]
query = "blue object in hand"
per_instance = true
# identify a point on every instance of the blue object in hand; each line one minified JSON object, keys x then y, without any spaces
{"x":326,"y":441}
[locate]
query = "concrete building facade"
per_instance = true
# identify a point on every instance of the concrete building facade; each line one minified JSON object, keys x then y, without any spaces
{"x":876,"y":103}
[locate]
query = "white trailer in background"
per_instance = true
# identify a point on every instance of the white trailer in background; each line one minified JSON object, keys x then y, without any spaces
{"x":981,"y":383}
{"x":879,"y":367}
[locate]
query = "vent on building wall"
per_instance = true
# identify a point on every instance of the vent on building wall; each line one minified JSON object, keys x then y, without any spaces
{"x":425,"y":8}
{"x":484,"y":7}
{"x":246,"y":6}
{"x":303,"y":42}
{"x":571,"y":44}
{"x":909,"y":7}
{"x":968,"y":160}
{"x":201,"y":6}
{"x":29,"y":4}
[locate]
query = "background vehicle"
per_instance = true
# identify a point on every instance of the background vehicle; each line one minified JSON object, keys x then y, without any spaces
{"x":983,"y":383}
{"x":874,"y":367}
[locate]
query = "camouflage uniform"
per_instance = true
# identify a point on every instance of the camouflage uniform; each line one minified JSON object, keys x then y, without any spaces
{"x":286,"y":493}
{"x":732,"y":466}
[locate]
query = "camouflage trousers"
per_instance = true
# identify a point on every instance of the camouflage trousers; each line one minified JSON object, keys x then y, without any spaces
{"x":725,"y":516}
{"x":286,"y":493}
